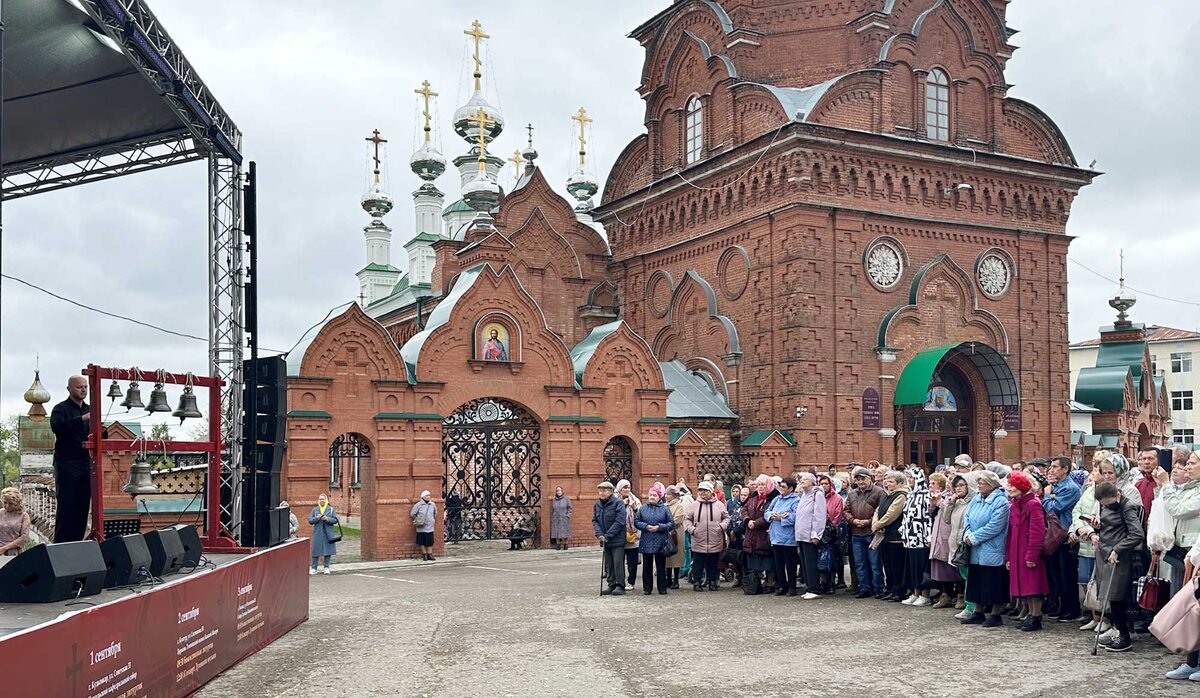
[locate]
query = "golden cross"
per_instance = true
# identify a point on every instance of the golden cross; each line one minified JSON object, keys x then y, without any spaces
{"x":482,"y":120}
{"x":516,"y":160}
{"x":426,"y":93}
{"x":583,"y":120}
{"x":476,"y":33}
{"x":377,"y":141}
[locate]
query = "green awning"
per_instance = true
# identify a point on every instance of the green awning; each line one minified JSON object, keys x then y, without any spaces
{"x":913,"y":386}
{"x":1102,"y":387}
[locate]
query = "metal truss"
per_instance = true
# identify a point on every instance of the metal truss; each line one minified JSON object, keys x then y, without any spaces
{"x":148,"y":45}
{"x":70,"y":169}
{"x":226,"y":334}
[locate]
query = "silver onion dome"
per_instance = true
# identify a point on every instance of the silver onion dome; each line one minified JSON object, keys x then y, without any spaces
{"x":529,"y":155}
{"x":466,"y":126}
{"x":481,"y":193}
{"x":427,"y":163}
{"x":582,"y":186}
{"x":376,"y":202}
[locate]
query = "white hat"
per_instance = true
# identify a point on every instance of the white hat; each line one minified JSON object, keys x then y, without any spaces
{"x":705,"y":485}
{"x":963,"y":461}
{"x":424,"y":493}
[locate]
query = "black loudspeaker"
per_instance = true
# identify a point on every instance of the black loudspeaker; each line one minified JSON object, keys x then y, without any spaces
{"x":271,"y":428}
{"x":189,"y":538}
{"x":166,"y":551}
{"x":280,"y":519}
{"x":268,"y":458}
{"x":125,"y":557}
{"x":55,"y":572}
{"x":270,"y":370}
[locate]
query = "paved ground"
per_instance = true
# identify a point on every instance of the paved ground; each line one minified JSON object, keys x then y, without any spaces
{"x":532,"y":623}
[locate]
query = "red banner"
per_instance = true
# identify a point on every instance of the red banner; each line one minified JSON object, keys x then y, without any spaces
{"x":168,"y":641}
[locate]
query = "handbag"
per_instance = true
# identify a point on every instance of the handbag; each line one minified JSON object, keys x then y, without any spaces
{"x":1055,"y":536}
{"x":825,"y":558}
{"x":670,"y":545}
{"x":962,"y":555}
{"x":1152,"y":590}
{"x":1177,"y":625}
{"x":334,"y":538}
{"x":1091,"y":599}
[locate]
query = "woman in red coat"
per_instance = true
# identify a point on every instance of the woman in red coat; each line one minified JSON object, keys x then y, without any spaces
{"x":1023,"y":553}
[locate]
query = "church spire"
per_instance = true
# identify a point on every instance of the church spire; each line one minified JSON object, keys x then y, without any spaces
{"x":479,"y":123}
{"x":1123,"y":300}
{"x":376,"y":279}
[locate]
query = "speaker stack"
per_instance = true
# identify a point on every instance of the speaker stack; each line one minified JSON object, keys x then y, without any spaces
{"x":266,"y":420}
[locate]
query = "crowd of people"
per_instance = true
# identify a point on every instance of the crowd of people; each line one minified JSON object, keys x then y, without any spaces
{"x":1028,"y":544}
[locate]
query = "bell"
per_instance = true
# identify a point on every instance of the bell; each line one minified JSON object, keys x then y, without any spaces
{"x":133,"y":398}
{"x":158,"y":400}
{"x":114,"y":390}
{"x":187,"y":405}
{"x":140,"y":480}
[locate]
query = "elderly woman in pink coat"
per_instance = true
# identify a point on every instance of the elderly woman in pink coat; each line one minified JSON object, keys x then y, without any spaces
{"x":1023,"y":552}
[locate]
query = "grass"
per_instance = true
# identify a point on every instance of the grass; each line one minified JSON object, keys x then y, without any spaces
{"x":348,"y":531}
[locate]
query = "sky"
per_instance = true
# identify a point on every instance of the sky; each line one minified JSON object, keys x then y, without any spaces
{"x":308,"y":81}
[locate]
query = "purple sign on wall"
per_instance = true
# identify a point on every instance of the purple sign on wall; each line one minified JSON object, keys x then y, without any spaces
{"x":871,"y":413}
{"x":1012,"y":419}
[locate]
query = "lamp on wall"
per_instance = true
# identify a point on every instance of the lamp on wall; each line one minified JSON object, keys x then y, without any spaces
{"x":801,"y":411}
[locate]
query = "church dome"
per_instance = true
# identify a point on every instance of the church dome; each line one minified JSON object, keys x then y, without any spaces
{"x":466,"y":126}
{"x":376,"y":202}
{"x":582,"y":185}
{"x":427,"y":163}
{"x":481,"y":193}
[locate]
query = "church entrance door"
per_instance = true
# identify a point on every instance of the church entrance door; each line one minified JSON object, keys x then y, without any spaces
{"x":492,"y":454}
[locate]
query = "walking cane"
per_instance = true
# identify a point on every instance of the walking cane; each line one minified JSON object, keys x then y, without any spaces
{"x":1104,"y":607}
{"x":603,"y":568}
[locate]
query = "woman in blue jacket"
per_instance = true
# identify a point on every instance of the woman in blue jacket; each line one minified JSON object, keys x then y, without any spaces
{"x":986,"y":531}
{"x":655,"y":521}
{"x":781,"y":517}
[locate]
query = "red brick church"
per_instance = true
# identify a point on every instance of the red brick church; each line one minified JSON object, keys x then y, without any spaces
{"x":838,"y":239}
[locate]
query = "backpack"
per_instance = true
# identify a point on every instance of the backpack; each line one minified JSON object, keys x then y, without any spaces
{"x":752,"y":584}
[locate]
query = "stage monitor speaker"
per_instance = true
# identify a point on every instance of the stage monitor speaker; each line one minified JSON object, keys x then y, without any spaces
{"x":280,"y":520}
{"x":189,"y":538}
{"x":126,"y":560}
{"x":55,"y":572}
{"x":166,"y":551}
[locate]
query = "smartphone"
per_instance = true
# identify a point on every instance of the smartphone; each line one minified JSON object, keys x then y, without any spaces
{"x":1165,"y":457}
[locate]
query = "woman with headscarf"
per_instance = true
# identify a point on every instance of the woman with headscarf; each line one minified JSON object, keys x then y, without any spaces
{"x":915,"y":528}
{"x":560,"y":519}
{"x":1023,"y":550}
{"x":674,"y":562}
{"x":685,"y":496}
{"x":632,"y":534}
{"x":986,"y":532}
{"x":1119,"y":538}
{"x":811,"y":515}
{"x":423,"y":515}
{"x":885,"y":524}
{"x":1082,"y":518}
{"x":829,"y":550}
{"x":961,"y":490}
{"x":323,"y":519}
{"x":654,"y":521}
{"x":756,"y":542}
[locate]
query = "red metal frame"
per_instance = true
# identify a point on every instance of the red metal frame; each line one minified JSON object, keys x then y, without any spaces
{"x":215,"y":537}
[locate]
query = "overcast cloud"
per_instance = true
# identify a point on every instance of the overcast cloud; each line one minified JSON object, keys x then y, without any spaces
{"x":307,"y":81}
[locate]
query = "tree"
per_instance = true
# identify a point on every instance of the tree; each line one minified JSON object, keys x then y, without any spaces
{"x":160,"y":432}
{"x":10,"y":450}
{"x":198,"y":431}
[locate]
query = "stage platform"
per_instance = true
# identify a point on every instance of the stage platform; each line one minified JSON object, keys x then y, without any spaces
{"x":15,"y":617}
{"x":168,"y":640}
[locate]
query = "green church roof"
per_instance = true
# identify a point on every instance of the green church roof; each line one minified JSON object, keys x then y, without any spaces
{"x":379,"y":267}
{"x":459,"y":206}
{"x":422,"y":237}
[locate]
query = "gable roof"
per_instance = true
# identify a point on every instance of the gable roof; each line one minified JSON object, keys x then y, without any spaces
{"x":760,"y":436}
{"x":691,"y":396}
{"x":582,"y":352}
{"x":411,"y":350}
{"x":1154,"y":333}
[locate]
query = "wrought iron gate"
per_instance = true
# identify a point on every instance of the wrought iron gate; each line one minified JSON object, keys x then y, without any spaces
{"x":492,"y":452}
{"x":618,"y":460}
{"x":729,"y":468}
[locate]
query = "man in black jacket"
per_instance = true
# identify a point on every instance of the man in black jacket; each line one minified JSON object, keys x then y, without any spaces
{"x":608,"y":522}
{"x":70,"y":421}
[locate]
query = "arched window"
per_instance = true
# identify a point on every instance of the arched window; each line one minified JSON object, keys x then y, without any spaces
{"x":937,"y":106}
{"x":694,"y":130}
{"x":352,"y":449}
